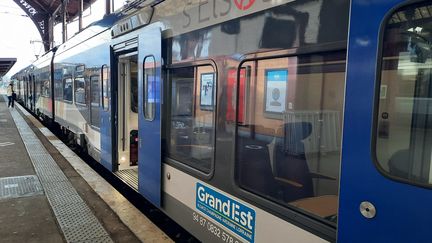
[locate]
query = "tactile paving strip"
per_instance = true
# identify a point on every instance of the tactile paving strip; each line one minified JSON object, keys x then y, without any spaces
{"x":20,"y":186}
{"x":76,"y":220}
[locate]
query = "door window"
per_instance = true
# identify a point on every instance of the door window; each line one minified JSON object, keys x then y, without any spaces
{"x":95,"y":100}
{"x":403,"y":132}
{"x":191,"y":116}
{"x":80,"y":91}
{"x":67,"y":89}
{"x":150,"y":95}
{"x":105,"y":88}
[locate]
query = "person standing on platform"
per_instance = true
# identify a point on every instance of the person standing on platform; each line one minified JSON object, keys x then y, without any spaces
{"x":10,"y":92}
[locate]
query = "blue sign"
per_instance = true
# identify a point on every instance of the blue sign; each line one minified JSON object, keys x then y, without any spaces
{"x":277,"y":75}
{"x":276,"y":90}
{"x":234,"y":215}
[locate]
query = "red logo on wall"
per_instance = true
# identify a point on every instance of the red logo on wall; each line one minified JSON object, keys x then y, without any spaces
{"x":244,"y":4}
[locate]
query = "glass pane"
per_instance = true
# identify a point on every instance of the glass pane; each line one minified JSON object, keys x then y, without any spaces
{"x":67,"y":89}
{"x":46,"y":88}
{"x":105,"y":88}
{"x":38,"y":88}
{"x":95,"y":100}
{"x":191,"y":128}
{"x":80,"y":93}
{"x":149,"y":88}
{"x":95,"y":91}
{"x":404,"y":125}
{"x":289,"y":120}
{"x":58,"y":85}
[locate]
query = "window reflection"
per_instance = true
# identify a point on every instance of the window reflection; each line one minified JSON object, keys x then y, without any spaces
{"x":191,"y":128}
{"x":404,"y":130}
{"x":95,"y":100}
{"x":289,"y":130}
{"x":67,"y":89}
{"x":106,"y":88}
{"x":80,"y":92}
{"x":150,"y":91}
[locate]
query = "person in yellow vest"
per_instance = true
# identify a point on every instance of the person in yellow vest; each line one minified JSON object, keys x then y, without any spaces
{"x":10,"y":94}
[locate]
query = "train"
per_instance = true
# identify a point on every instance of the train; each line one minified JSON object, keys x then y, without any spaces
{"x":255,"y":120}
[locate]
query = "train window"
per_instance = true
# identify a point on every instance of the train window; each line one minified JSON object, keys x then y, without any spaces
{"x":46,"y":88}
{"x":191,"y":117}
{"x":95,"y":100}
{"x":58,"y":89}
{"x":80,"y":91}
{"x":67,"y":89}
{"x":288,"y":144}
{"x":38,"y":87}
{"x":149,"y":86}
{"x":403,"y":134}
{"x":105,"y":88}
{"x":95,"y":91}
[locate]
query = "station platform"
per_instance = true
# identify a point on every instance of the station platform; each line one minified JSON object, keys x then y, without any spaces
{"x":48,"y":194}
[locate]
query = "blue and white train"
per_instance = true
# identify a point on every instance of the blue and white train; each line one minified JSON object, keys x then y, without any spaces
{"x":256,"y":120}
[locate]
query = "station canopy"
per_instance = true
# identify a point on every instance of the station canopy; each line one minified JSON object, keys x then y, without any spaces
{"x":40,"y":12}
{"x":6,"y":64}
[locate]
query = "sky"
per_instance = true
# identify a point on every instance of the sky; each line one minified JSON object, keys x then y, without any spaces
{"x":17,"y":31}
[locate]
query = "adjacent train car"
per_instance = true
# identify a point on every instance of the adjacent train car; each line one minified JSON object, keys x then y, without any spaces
{"x":256,"y":121}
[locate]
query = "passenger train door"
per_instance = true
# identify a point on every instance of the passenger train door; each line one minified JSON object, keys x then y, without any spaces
{"x":386,"y":173}
{"x":106,"y":125}
{"x":149,"y":115}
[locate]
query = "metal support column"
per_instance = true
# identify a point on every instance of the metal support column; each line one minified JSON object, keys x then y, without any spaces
{"x":50,"y":32}
{"x":80,"y":16}
{"x":64,"y":20}
{"x":107,"y":7}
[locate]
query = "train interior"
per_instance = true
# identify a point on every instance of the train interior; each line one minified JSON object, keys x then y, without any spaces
{"x":191,"y":131}
{"x":289,"y":125}
{"x":127,"y":118}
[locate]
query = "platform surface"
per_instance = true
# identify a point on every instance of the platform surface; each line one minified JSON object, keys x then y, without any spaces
{"x":48,"y":194}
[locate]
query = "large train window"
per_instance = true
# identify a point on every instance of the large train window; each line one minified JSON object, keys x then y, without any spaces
{"x":289,"y":120}
{"x":80,"y":91}
{"x":404,"y":121}
{"x":191,"y":116}
{"x":67,"y":89}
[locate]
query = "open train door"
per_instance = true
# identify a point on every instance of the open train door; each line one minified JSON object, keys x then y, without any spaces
{"x":386,"y":173}
{"x":149,"y":117}
{"x":106,"y":126}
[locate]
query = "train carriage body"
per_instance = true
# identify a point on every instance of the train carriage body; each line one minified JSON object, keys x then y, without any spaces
{"x":256,"y":121}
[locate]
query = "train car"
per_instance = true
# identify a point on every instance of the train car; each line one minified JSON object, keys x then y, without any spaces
{"x":258,"y":121}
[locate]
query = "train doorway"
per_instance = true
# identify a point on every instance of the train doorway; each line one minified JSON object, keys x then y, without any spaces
{"x":127,"y":119}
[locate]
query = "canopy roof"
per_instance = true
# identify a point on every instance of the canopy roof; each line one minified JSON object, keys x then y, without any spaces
{"x":41,"y":12}
{"x":6,"y":64}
